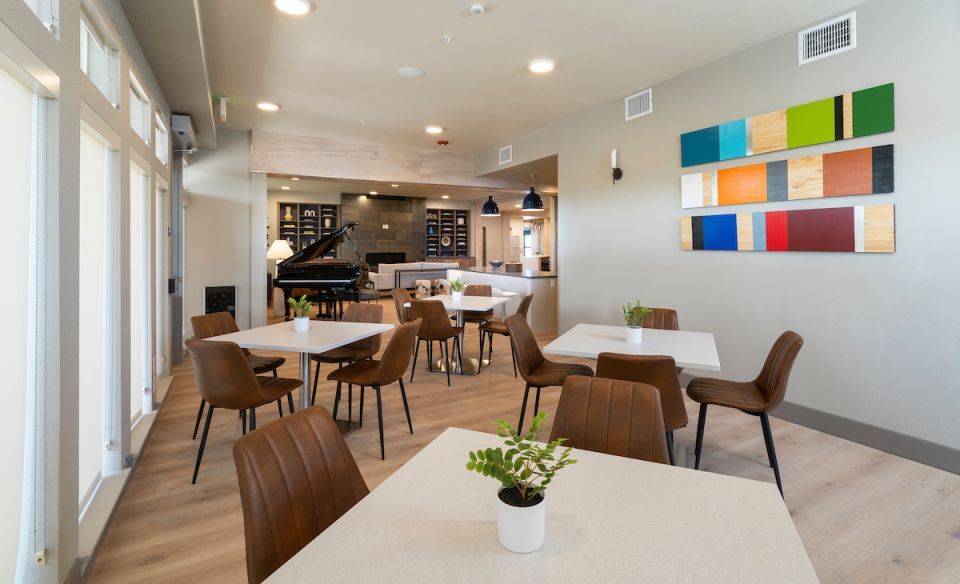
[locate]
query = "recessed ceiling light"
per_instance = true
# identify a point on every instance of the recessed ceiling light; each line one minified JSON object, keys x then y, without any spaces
{"x":373,"y":192}
{"x":477,"y":10}
{"x":268,"y":106}
{"x":541,"y":66}
{"x":294,"y":178}
{"x":411,"y":72}
{"x":293,"y":7}
{"x":434,"y":130}
{"x":284,"y":188}
{"x":444,"y":196}
{"x":394,"y":186}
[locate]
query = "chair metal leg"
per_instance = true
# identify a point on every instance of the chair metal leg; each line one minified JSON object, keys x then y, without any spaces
{"x":700,"y":424}
{"x":243,"y":421}
{"x":513,"y":355}
{"x":383,"y":455}
{"x":196,"y":426}
{"x":430,"y":356}
{"x":446,"y":350}
{"x":670,"y":448}
{"x":280,"y":407}
{"x":483,"y":336}
{"x":362,"y":391}
{"x":253,"y":419}
{"x":350,"y":402}
{"x":203,"y":443}
{"x":416,"y":352}
{"x":275,"y":373}
{"x":290,"y":401}
{"x":406,"y":408}
{"x":316,"y":380}
{"x":771,"y":451}
{"x":536,"y":403}
{"x":459,"y":350}
{"x":336,"y":400}
{"x":523,"y":409}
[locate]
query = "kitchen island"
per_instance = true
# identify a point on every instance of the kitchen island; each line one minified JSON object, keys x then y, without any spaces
{"x":543,"y":285}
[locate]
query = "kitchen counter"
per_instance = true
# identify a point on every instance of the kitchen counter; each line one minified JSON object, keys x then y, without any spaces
{"x":521,"y":274}
{"x":543,"y":285}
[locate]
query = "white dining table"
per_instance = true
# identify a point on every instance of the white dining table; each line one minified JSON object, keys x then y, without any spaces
{"x":322,"y":336}
{"x":466,"y":304}
{"x":608,"y":519}
{"x":694,"y":350}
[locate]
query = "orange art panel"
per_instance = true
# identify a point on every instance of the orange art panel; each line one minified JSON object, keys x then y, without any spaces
{"x":848,"y":173}
{"x":744,"y":184}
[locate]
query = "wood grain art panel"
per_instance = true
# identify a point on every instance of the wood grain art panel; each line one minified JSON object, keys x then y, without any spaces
{"x":709,"y":189}
{"x":745,"y":231}
{"x":769,"y":132}
{"x":847,"y":116}
{"x":878,"y":229}
{"x":686,"y":234}
{"x":805,"y":177}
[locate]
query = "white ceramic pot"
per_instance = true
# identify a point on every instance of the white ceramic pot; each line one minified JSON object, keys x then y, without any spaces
{"x":521,"y":529}
{"x":634,"y":334}
{"x":457,"y":296}
{"x":301,"y":323}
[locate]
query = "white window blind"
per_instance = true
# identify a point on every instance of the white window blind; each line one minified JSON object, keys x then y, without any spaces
{"x":46,"y":11}
{"x":162,"y":140}
{"x":140,"y":117}
{"x":98,"y":61}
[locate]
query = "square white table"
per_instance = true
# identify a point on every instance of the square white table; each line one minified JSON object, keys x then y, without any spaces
{"x":609,"y":519}
{"x":322,"y":336}
{"x":689,"y":349}
{"x":466,"y":304}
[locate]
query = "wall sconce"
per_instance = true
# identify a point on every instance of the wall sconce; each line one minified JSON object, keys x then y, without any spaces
{"x":617,"y":173}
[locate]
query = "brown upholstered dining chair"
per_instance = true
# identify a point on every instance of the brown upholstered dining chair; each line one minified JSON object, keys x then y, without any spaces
{"x":536,"y":370}
{"x":222,"y":323}
{"x":496,"y":326}
{"x":662,"y":318}
{"x":757,"y":397}
{"x":612,"y":416}
{"x":226,"y":381}
{"x":355,"y":351}
{"x":477,"y":290}
{"x":401,"y":297}
{"x":389,"y":369}
{"x":436,"y":327}
{"x":657,"y":370}
{"x":296,"y":477}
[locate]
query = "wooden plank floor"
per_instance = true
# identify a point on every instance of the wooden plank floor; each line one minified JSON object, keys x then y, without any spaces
{"x":864,"y":515}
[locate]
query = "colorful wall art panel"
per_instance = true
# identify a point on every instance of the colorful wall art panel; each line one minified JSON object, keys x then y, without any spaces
{"x":851,"y":115}
{"x":866,"y":171}
{"x":861,"y":229}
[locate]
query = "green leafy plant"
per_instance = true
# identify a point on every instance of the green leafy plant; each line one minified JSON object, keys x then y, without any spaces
{"x":634,"y":315}
{"x":527,"y":466}
{"x":301,"y":307}
{"x":457,"y":285}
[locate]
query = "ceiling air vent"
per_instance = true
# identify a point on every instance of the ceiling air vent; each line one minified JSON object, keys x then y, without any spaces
{"x":828,"y":38}
{"x":506,"y":154}
{"x":638,"y":104}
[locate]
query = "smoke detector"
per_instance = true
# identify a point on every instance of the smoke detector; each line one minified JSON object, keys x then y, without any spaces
{"x":477,"y":10}
{"x":446,"y":39}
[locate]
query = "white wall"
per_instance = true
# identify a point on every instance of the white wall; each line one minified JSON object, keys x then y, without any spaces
{"x":881,"y":330}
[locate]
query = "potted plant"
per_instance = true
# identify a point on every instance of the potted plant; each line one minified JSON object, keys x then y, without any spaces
{"x":633,"y":316}
{"x":301,"y":312}
{"x":524,"y":471}
{"x":456,"y":288}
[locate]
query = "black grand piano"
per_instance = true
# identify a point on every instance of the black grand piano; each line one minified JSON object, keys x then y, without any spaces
{"x":327,"y":281}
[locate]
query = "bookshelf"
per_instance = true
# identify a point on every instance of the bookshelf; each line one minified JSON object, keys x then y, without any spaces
{"x":448,"y":233}
{"x":302,"y":224}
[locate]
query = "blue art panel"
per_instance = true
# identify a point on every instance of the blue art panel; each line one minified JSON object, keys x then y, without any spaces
{"x":700,"y":146}
{"x":720,"y":232}
{"x":733,"y":139}
{"x":759,"y":232}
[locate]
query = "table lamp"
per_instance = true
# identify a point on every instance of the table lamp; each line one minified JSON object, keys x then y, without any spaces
{"x":279,"y":250}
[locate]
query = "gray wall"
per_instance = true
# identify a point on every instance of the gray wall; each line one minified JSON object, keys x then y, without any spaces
{"x":882,"y":331}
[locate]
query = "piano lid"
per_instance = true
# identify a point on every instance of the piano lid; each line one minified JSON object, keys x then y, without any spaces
{"x":319,"y":247}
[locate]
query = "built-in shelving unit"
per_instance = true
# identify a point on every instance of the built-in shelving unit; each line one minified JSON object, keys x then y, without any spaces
{"x":302,"y":224}
{"x":448,"y":233}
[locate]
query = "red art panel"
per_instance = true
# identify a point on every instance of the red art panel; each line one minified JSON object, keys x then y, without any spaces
{"x":820,"y":230}
{"x":777,"y":231}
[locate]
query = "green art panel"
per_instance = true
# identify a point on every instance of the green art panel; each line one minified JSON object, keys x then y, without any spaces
{"x":810,"y":123}
{"x":873,"y":110}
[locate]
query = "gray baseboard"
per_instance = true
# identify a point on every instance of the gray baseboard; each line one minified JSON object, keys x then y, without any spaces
{"x":922,"y":451}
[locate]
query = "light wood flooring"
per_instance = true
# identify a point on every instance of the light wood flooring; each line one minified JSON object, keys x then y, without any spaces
{"x":863,"y":515}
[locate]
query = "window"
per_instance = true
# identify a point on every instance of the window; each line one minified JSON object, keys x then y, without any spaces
{"x":46,"y":11}
{"x":138,"y":290}
{"x":162,"y":140}
{"x":139,"y":110}
{"x":98,"y":61}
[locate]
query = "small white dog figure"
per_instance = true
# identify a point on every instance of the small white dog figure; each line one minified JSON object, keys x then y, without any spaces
{"x":423,"y":289}
{"x":441,"y":287}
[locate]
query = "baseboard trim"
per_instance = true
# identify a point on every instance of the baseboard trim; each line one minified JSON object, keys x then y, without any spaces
{"x":917,"y":449}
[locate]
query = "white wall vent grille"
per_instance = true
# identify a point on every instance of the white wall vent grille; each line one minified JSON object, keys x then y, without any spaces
{"x":638,"y":104}
{"x":506,"y":154}
{"x":828,"y":38}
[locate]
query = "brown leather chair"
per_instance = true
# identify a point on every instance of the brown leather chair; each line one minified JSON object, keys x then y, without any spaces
{"x":662,"y":318}
{"x":296,"y":477}
{"x":225,"y":380}
{"x":477,"y":290}
{"x":611,"y":416}
{"x":356,"y":351}
{"x":756,"y":397}
{"x":389,"y":369}
{"x":215,"y":324}
{"x":534,"y":368}
{"x":436,"y":327}
{"x":401,"y":297}
{"x":495,"y":326}
{"x":657,"y":370}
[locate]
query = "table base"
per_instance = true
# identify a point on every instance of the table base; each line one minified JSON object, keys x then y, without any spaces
{"x":470,"y":366}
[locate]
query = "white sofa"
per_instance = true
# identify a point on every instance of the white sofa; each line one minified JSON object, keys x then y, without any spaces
{"x":385,"y":278}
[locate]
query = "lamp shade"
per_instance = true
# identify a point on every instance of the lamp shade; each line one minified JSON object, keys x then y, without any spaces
{"x":490,"y":208}
{"x":533,"y":201}
{"x":279,"y":250}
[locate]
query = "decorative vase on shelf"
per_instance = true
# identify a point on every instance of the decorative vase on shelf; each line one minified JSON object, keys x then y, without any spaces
{"x":289,"y":214}
{"x":301,"y":323}
{"x":634,"y":334}
{"x":326,"y":222}
{"x":520,"y":529}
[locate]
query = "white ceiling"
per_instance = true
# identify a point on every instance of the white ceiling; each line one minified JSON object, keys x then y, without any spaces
{"x":324,"y":186}
{"x":337,"y":66}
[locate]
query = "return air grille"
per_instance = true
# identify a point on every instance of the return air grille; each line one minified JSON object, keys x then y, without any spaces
{"x":638,"y":104}
{"x":829,"y":38}
{"x":506,"y":154}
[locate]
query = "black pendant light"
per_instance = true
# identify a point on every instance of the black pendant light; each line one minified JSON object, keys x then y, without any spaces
{"x":490,"y":208}
{"x":533,"y":201}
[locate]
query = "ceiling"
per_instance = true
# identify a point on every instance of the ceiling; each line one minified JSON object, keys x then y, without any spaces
{"x":333,"y":71}
{"x":323,"y":186}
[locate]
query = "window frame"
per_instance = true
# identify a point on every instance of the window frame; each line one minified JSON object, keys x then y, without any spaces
{"x":138,"y":94}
